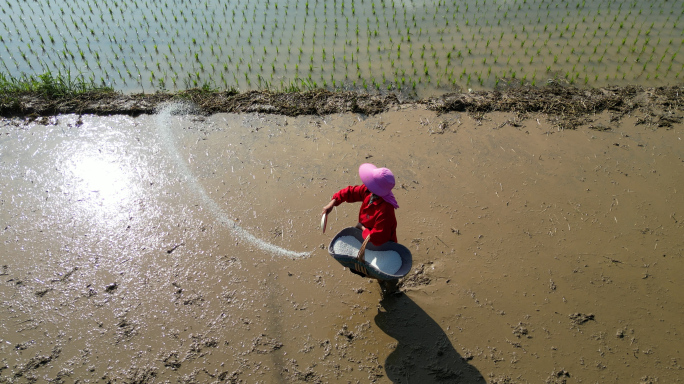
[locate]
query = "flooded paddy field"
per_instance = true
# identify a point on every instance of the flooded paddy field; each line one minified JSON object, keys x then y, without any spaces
{"x":149,"y":240}
{"x":184,"y":247}
{"x":417,"y":48}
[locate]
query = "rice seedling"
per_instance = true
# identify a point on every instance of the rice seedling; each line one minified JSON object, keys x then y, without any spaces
{"x":60,"y":85}
{"x":320,"y":32}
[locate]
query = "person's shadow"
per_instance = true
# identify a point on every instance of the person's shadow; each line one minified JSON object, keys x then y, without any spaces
{"x":424,"y":353}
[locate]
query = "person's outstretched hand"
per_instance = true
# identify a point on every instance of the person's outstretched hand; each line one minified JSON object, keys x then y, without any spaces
{"x":328,"y":207}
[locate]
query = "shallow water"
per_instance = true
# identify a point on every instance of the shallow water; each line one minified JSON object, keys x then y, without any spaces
{"x":418,"y":48}
{"x":537,"y":252}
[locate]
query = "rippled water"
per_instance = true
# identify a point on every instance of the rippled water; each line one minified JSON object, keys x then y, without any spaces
{"x":413,"y":47}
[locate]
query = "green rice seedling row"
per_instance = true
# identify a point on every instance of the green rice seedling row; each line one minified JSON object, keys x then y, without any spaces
{"x":417,"y":48}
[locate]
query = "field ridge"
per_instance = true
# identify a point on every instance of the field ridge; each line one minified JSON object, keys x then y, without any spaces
{"x":570,"y":106}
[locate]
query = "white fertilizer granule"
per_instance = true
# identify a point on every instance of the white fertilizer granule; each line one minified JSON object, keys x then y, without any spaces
{"x":347,"y":245}
{"x":387,"y":261}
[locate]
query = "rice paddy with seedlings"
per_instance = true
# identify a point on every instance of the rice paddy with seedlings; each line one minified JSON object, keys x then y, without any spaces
{"x":415,"y":48}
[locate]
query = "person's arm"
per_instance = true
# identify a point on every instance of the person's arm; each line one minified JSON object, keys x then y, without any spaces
{"x":329,"y":207}
{"x":351,"y":194}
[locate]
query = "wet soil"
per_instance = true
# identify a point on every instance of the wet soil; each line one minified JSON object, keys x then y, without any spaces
{"x":541,"y":254}
{"x":569,"y":105}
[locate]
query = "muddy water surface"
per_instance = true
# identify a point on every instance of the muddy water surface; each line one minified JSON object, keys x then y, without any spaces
{"x":185,"y":248}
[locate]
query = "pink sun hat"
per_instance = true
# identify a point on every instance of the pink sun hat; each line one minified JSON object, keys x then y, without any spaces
{"x":379,"y":181}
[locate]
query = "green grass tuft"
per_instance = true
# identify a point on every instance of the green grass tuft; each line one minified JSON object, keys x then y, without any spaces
{"x":49,"y":85}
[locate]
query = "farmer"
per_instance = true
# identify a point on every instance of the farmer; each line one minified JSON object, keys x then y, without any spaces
{"x":376,"y":215}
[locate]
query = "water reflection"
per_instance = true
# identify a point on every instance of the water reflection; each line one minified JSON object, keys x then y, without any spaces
{"x":104,"y":177}
{"x":101,"y":183}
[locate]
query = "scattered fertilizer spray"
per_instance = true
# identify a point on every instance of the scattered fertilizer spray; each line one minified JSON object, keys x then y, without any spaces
{"x":163,"y":117}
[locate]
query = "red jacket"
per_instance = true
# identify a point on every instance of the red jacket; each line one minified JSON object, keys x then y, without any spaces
{"x":378,"y":217}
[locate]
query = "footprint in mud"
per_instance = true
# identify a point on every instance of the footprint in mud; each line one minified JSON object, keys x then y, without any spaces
{"x":416,"y":278}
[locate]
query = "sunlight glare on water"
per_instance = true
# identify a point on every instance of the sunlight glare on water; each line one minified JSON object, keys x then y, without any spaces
{"x":101,"y":181}
{"x":103,"y":177}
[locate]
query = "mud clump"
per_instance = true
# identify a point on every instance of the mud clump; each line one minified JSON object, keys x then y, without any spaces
{"x":110,"y":288}
{"x":416,"y":278}
{"x":347,"y":333}
{"x":172,"y":360}
{"x":580,"y":318}
{"x":521,"y":331}
{"x":264,"y":344}
{"x":125,"y":330}
{"x":316,"y":102}
{"x":558,"y":377}
{"x":293,"y":373}
{"x":570,"y":106}
{"x":36,"y":362}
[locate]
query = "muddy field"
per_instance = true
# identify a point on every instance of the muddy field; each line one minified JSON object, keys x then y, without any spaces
{"x":183,"y":246}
